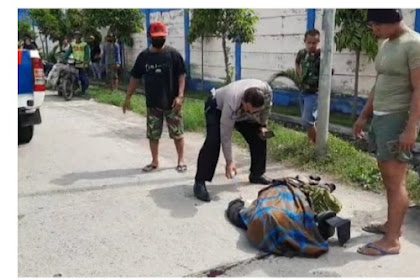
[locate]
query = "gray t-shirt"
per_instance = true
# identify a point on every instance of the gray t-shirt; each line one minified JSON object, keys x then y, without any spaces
{"x":394,"y":62}
{"x":229,"y":100}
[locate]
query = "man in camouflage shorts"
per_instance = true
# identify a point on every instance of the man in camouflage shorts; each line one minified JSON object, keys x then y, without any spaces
{"x":163,"y":70}
{"x":173,"y":119}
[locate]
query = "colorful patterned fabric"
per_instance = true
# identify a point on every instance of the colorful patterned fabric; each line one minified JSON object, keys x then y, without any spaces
{"x":282,"y":219}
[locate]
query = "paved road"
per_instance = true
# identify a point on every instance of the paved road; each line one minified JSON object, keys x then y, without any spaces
{"x":86,"y":210}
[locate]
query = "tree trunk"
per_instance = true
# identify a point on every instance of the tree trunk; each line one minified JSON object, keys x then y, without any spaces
{"x":356,"y":86}
{"x":225,"y":53}
{"x":46,"y":46}
{"x":42,"y":44}
{"x":202,"y":62}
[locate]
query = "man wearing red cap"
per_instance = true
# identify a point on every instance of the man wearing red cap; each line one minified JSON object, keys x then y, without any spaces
{"x":163,"y":70}
{"x":394,"y":106}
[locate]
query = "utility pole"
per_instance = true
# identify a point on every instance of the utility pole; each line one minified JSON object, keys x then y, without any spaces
{"x":328,"y":23}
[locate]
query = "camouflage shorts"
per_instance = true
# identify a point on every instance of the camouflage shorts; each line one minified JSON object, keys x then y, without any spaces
{"x":174,"y":121}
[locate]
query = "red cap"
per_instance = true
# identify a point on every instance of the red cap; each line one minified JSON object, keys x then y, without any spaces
{"x":158,"y":29}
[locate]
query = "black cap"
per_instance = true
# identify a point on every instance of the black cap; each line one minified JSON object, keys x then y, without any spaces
{"x":384,"y":15}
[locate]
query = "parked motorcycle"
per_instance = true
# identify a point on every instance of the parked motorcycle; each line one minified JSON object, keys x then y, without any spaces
{"x":65,"y":78}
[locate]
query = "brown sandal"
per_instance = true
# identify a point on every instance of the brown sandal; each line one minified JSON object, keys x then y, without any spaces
{"x":181,"y":168}
{"x":149,"y":167}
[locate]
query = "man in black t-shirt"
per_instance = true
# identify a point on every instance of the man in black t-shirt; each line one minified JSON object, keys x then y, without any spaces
{"x":163,"y":71}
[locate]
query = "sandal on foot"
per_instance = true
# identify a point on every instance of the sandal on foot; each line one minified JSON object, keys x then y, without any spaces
{"x":381,"y":252}
{"x":181,"y":168}
{"x":374,"y":228}
{"x":149,"y":167}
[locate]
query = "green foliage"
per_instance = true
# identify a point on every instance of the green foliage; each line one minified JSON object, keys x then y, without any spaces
{"x":59,"y":24}
{"x":48,"y":21}
{"x":354,"y":33}
{"x":121,"y":22}
{"x":290,"y":74}
{"x":25,"y":30}
{"x":227,"y":24}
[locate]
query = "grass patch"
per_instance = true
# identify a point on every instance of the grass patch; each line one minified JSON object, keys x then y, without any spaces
{"x":344,"y":161}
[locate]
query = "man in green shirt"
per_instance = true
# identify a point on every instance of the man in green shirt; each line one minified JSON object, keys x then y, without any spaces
{"x":81,"y":53}
{"x":307,"y":64}
{"x":394,"y":106}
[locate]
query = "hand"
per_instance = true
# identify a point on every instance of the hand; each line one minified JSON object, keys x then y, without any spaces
{"x":358,"y":127}
{"x":231,"y":170}
{"x":263,"y":130}
{"x":126,"y":104}
{"x":177,"y":104}
{"x":407,"y":139}
{"x":117,"y":66}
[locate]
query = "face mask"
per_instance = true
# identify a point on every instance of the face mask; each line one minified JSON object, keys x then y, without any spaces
{"x":158,"y":43}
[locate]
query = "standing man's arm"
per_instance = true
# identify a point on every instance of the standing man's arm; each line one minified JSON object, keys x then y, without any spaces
{"x":68,"y":52}
{"x":117,"y":55}
{"x":366,"y":114}
{"x":298,"y":65}
{"x":103,"y":54}
{"x":180,"y":73}
{"x":408,"y":137}
{"x":87,"y":54}
{"x":136,"y":73}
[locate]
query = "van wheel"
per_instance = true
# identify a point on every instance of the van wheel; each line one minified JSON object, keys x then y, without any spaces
{"x":25,"y":134}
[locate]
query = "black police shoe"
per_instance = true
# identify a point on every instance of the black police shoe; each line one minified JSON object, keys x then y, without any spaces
{"x":200,"y":191}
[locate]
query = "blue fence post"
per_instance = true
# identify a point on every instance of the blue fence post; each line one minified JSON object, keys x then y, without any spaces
{"x":187,"y":43}
{"x":238,"y":58}
{"x":417,"y":22}
{"x":310,"y":19}
{"x":147,"y":12}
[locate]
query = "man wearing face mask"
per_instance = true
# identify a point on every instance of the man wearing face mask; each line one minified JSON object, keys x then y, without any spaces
{"x":243,"y":105}
{"x":163,"y":70}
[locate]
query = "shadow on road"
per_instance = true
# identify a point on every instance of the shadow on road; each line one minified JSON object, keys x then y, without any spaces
{"x":71,"y":178}
{"x":180,"y":199}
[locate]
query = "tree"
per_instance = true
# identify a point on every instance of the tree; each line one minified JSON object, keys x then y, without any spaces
{"x":58,"y":24}
{"x":47,"y":23}
{"x":355,"y":35}
{"x":199,"y":28}
{"x":236,"y":25}
{"x":121,"y":22}
{"x":25,"y":30}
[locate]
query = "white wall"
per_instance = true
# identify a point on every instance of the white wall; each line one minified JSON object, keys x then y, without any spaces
{"x":279,"y":36}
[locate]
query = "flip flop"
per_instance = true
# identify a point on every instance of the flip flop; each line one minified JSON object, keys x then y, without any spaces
{"x":149,"y":167}
{"x":382,"y":252}
{"x":376,"y":228}
{"x":181,"y":168}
